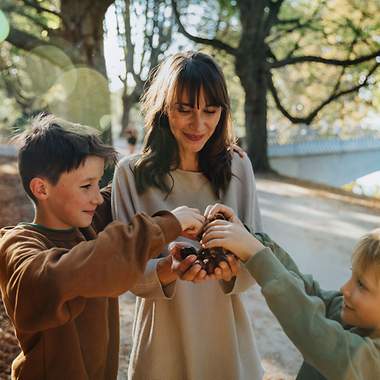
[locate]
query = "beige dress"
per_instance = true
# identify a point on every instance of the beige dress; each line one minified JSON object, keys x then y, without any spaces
{"x":189,"y":331}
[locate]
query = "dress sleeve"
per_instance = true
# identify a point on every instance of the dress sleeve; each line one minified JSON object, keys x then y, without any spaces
{"x":251,"y":215}
{"x":125,"y":203}
{"x":245,"y":193}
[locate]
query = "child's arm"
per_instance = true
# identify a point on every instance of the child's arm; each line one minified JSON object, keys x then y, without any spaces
{"x":332,"y":299}
{"x":241,"y":238}
{"x":159,"y":280}
{"x":44,"y":287}
{"x":335,"y":352}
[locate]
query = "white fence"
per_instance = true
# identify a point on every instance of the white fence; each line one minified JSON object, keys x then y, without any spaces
{"x":326,"y":146}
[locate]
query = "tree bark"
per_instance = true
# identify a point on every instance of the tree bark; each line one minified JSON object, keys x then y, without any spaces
{"x":128,"y":102}
{"x":250,"y":66}
{"x":80,"y":37}
{"x":253,"y":80}
{"x":82,"y":27}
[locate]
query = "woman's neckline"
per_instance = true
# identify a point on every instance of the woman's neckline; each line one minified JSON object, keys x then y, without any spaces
{"x":188,"y":171}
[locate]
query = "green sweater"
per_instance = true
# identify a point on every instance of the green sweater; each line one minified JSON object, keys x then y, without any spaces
{"x":310,"y":317}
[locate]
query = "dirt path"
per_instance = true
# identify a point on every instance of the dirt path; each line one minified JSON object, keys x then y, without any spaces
{"x":315,"y":226}
{"x":319,"y":230}
{"x":14,"y":207}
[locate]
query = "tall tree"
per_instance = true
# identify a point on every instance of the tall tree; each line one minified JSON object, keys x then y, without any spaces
{"x":276,"y":35}
{"x":67,"y":37}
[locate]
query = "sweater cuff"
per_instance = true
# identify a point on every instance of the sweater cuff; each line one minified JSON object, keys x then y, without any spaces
{"x":169,"y":225}
{"x":150,"y":287}
{"x":264,"y":266}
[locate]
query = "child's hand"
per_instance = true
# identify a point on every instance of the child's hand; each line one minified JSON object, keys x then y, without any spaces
{"x":185,"y":269}
{"x":231,"y":236}
{"x":191,"y":220}
{"x":226,"y":271}
{"x":228,"y":213}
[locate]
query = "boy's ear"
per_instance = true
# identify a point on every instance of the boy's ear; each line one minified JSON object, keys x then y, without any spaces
{"x":39,"y":188}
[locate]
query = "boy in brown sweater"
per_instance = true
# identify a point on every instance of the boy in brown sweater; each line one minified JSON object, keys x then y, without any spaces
{"x":61,"y":274}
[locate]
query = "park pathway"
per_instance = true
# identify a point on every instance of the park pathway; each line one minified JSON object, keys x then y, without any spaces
{"x":319,"y":229}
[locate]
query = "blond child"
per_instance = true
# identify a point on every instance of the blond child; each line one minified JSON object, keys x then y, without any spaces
{"x":337,"y":332}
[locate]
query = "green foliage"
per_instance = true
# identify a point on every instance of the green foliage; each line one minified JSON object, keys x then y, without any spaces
{"x":43,"y":68}
{"x":342,"y":29}
{"x":339,"y":29}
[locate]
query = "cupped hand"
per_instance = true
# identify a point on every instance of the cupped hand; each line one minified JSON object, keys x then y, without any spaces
{"x":187,"y":269}
{"x":227,"y":270}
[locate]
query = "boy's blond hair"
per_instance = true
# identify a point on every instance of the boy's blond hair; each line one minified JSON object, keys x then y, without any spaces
{"x":367,"y":252}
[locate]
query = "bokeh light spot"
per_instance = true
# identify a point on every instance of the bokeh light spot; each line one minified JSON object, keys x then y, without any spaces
{"x":4,"y":27}
{"x":82,"y":96}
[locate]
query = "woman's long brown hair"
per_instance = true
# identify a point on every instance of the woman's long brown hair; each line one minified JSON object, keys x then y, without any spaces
{"x":190,"y":72}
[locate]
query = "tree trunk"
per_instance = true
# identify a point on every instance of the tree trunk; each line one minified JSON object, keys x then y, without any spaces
{"x":82,"y":31}
{"x":128,"y":102}
{"x":250,"y":66}
{"x":127,"y":106}
{"x":82,"y":27}
{"x":255,"y":107}
{"x":82,"y":94}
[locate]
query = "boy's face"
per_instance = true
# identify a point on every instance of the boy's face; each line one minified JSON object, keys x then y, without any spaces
{"x":73,"y":200}
{"x":361,"y":296}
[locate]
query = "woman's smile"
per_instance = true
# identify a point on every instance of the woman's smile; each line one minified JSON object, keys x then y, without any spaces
{"x":194,"y":137}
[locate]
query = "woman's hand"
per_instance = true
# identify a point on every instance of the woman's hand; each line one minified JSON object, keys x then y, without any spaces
{"x":219,"y":208}
{"x":191,"y":220}
{"x":232,"y":237}
{"x":186,"y":269}
{"x":226,"y":271}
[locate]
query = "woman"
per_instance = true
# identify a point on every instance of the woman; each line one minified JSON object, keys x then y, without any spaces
{"x":188,"y":326}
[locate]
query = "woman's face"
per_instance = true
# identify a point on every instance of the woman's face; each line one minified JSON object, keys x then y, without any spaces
{"x":192,"y":126}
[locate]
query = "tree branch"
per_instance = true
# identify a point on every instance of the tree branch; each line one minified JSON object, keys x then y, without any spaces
{"x":28,"y":42}
{"x":34,"y":19}
{"x":272,"y":19}
{"x":24,"y":40}
{"x":39,"y":8}
{"x":211,"y":42}
{"x":288,"y":21}
{"x":298,"y":25}
{"x":313,"y":114}
{"x":326,"y":61}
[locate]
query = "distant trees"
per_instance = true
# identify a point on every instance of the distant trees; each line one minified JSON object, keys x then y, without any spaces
{"x":145,"y":33}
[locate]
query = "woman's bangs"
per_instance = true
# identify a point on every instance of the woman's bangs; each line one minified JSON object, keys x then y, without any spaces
{"x":190,"y":82}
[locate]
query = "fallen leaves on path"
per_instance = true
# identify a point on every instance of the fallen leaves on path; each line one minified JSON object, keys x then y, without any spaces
{"x":14,"y":207}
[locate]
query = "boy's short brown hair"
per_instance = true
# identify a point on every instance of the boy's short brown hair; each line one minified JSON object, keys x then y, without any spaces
{"x":367,"y":252}
{"x":51,"y":146}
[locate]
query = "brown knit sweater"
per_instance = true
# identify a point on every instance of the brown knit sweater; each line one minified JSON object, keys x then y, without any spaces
{"x":60,"y":290}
